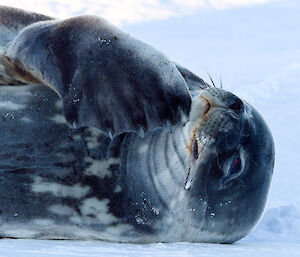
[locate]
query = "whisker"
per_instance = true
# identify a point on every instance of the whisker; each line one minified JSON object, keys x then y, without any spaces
{"x":215,"y":90}
{"x":254,"y":163}
{"x":218,"y":162}
{"x":221,"y":83}
{"x":200,"y":86}
{"x":211,"y":80}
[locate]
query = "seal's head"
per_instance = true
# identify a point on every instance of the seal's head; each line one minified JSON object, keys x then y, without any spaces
{"x":231,"y":164}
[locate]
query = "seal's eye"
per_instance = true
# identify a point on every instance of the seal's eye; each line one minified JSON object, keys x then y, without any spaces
{"x":232,"y":167}
{"x":235,"y":166}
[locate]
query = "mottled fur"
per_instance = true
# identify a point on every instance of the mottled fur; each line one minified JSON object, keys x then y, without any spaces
{"x":111,"y":140}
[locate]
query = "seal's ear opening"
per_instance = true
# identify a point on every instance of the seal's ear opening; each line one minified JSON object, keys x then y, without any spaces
{"x":105,"y":78}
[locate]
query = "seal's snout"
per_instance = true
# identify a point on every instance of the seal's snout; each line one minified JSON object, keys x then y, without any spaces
{"x":236,"y":105}
{"x":217,"y":97}
{"x":215,"y":115}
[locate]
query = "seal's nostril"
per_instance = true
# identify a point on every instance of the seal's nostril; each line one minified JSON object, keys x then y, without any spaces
{"x":237,"y":105}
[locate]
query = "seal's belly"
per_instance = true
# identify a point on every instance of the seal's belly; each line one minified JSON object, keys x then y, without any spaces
{"x":55,"y":182}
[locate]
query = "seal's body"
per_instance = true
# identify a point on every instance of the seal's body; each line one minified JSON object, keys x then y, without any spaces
{"x":96,"y":155}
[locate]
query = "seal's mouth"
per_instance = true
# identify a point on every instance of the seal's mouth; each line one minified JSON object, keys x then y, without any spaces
{"x":201,"y":108}
{"x":207,"y":105}
{"x":194,"y":143}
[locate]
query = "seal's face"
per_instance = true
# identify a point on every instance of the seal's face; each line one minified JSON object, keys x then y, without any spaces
{"x":232,"y":158}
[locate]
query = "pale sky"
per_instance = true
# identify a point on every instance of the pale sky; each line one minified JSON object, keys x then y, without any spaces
{"x":126,"y":11}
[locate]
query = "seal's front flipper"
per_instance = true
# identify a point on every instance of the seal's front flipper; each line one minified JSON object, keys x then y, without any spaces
{"x":194,"y":83}
{"x":105,"y":78}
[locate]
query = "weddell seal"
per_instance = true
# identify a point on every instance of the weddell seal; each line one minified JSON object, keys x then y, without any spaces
{"x":103,"y":137}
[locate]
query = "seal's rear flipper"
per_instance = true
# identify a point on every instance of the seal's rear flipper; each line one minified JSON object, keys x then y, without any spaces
{"x":105,"y":78}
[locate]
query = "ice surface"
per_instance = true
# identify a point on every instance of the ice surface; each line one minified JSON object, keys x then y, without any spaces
{"x":251,"y":247}
{"x":256,"y":50}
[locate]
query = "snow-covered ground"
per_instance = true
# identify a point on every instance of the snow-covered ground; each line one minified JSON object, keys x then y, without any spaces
{"x":256,"y":52}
